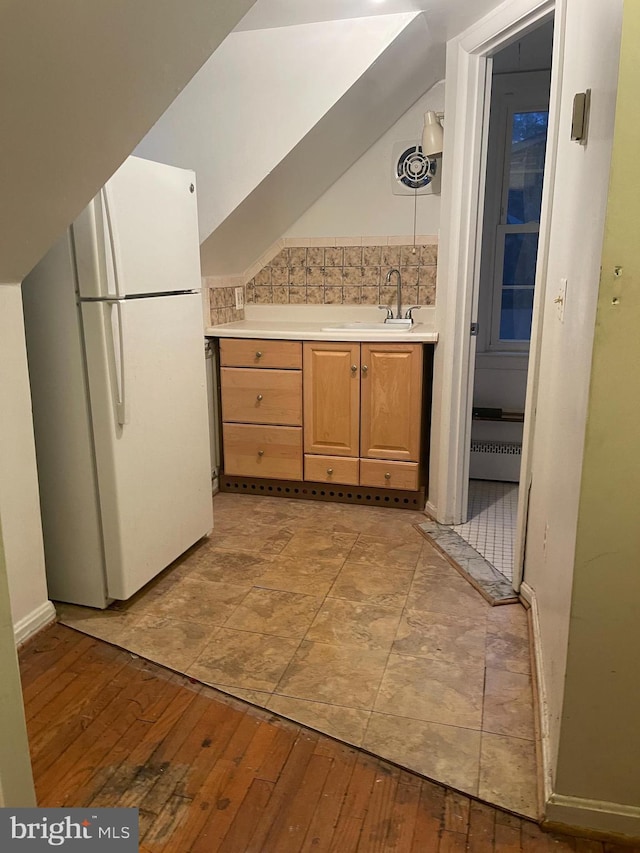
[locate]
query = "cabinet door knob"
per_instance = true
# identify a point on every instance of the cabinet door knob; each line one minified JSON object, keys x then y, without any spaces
{"x":258,"y":354}
{"x":387,"y":476}
{"x":354,"y":367}
{"x":364,"y":368}
{"x":329,"y":471}
{"x":259,"y":397}
{"x":261,"y":453}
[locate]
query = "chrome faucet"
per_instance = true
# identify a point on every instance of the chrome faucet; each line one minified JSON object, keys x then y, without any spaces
{"x":390,"y":318}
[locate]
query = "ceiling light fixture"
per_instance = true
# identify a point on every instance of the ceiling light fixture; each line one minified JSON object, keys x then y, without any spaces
{"x":432,"y":134}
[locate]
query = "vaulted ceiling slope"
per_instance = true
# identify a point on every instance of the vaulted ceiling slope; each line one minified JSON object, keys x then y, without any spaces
{"x":277,"y":115}
{"x":82,"y":82}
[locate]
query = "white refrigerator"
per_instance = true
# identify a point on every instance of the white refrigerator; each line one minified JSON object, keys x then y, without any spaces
{"x":114,"y":327}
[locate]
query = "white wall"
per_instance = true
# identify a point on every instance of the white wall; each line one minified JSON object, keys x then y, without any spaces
{"x":361,"y":203}
{"x":259,"y":94}
{"x":589,"y":60}
{"x":82,"y":83}
{"x":19,"y":502}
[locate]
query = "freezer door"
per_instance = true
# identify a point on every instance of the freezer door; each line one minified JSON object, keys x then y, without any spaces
{"x":147,"y":389}
{"x":140,"y":234}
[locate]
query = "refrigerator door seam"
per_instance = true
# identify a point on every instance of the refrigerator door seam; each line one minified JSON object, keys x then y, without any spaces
{"x":113,"y":241}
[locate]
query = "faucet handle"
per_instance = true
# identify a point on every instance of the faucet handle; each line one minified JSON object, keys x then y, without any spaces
{"x":388,"y":310}
{"x":409,"y":315}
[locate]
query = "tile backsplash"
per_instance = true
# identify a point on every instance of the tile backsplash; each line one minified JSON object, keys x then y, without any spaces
{"x":330,"y":271}
{"x":353,"y":275}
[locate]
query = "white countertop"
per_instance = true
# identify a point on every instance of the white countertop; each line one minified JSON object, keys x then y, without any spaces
{"x":293,"y":323}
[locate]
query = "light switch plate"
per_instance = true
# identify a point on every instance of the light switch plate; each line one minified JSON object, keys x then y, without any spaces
{"x":239,"y":298}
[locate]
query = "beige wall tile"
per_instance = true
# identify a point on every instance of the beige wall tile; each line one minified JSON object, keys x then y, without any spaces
{"x":281,"y":259}
{"x":375,"y":241}
{"x":297,"y":276}
{"x":371,"y":256}
{"x":315,"y":294}
{"x":263,"y":295}
{"x":280,"y":294}
{"x":315,"y":276}
{"x":352,"y":275}
{"x":351,"y":295}
{"x":370,"y":295}
{"x":390,"y":258}
{"x":409,"y":256}
{"x":371,"y":276}
{"x":427,"y":295}
{"x":353,"y":256}
{"x":297,"y":295}
{"x":348,"y":241}
{"x":279,"y":275}
{"x":429,"y":255}
{"x":333,"y":276}
{"x":332,"y":295}
{"x":297,"y":258}
{"x":263,"y":278}
{"x":334,"y":257}
{"x":409,"y":276}
{"x":315,"y":257}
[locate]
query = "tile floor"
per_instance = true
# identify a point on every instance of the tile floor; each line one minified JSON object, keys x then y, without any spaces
{"x":491,"y":528}
{"x":346,"y":619}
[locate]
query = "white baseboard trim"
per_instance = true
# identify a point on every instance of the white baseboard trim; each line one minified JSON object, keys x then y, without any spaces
{"x":30,"y":624}
{"x":577,"y":813}
{"x":431,"y":510}
{"x":529,"y":595}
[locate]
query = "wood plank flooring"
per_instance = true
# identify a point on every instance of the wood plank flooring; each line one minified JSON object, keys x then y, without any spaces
{"x":211,"y":773}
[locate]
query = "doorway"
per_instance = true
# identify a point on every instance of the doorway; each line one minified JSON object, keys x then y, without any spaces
{"x":515,"y":162}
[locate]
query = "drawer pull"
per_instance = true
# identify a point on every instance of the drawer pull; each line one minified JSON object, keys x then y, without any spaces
{"x":261,"y":453}
{"x":364,"y":368}
{"x":259,"y":398}
{"x":329,"y":471}
{"x":387,"y":476}
{"x":354,"y":367}
{"x":258,"y":354}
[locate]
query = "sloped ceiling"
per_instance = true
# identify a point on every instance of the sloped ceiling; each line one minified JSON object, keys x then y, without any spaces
{"x":277,"y":115}
{"x":82,"y":82}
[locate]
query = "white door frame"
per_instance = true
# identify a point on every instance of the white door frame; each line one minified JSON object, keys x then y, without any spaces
{"x":466,"y":116}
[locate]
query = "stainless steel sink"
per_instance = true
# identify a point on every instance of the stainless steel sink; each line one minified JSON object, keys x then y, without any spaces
{"x":394,"y":327}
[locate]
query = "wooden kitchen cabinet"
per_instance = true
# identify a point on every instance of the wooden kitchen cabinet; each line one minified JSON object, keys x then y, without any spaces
{"x":391,"y":401}
{"x":261,"y":395}
{"x":331,"y":398}
{"x":362,"y":401}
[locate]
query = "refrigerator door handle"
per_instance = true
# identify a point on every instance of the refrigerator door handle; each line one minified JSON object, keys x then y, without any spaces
{"x":113,"y":240}
{"x":119,"y":350}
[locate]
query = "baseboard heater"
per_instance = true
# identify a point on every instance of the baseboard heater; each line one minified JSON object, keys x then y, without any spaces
{"x":495,"y":460}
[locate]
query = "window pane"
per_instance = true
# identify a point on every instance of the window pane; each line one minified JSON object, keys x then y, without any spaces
{"x":528,"y":142}
{"x":515,"y":314}
{"x":520,"y":255}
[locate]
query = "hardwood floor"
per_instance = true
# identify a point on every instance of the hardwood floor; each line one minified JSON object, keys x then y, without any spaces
{"x":211,"y":773}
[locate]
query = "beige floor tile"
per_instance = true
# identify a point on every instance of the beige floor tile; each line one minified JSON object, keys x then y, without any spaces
{"x":448,"y":593}
{"x":339,"y":676}
{"x":431,"y":560}
{"x":350,"y":623}
{"x":201,"y":601}
{"x":508,"y":773}
{"x":273,"y":611}
{"x":508,"y":704}
{"x":110,"y":625}
{"x":326,"y":546}
{"x":360,"y":582}
{"x":446,"y":753}
{"x":346,"y":724}
{"x":256,"y":697}
{"x":175,"y":643}
{"x":439,"y":636}
{"x":240,"y":659}
{"x":308,"y":575}
{"x":262,"y":539}
{"x":510,"y":652}
{"x":508,"y":619}
{"x":432,"y":690}
{"x":235,"y":567}
{"x":383,"y":553}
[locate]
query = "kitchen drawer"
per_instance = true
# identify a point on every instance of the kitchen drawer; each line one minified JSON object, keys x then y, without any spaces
{"x":263,"y":451}
{"x":331,"y":469}
{"x":390,"y":475}
{"x":241,"y":352}
{"x":261,"y":396}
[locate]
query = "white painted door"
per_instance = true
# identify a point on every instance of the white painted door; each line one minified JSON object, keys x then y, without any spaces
{"x":146,"y":368}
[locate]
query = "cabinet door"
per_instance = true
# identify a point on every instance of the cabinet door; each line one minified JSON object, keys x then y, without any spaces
{"x":391,"y":392}
{"x":331,"y":398}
